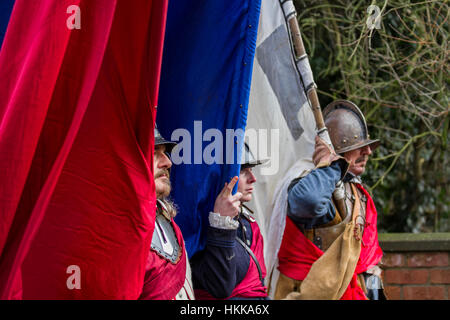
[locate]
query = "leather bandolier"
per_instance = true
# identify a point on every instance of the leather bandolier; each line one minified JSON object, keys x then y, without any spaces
{"x":325,"y":235}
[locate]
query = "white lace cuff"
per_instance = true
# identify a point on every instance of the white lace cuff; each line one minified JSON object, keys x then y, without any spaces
{"x":222,"y":222}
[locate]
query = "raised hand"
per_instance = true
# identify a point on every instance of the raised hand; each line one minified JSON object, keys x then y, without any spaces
{"x":323,"y":155}
{"x":227,"y":204}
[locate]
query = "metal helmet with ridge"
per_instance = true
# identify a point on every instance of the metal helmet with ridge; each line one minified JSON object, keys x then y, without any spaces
{"x":347,"y":127}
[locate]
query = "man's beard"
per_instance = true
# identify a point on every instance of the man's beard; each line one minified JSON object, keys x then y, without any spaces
{"x":170,"y":207}
{"x":167,"y":188}
{"x":162,"y":172}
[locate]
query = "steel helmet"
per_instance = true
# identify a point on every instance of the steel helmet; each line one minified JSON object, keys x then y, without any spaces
{"x":347,"y":126}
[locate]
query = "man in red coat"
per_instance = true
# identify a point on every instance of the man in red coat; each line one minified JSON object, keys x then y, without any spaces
{"x":168,"y":274}
{"x":330,"y":244}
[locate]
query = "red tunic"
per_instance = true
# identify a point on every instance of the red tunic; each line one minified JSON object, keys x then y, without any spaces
{"x":77,"y":111}
{"x":164,"y":279}
{"x":297,"y":253}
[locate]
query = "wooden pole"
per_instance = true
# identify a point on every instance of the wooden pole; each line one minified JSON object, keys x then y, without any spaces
{"x":300,"y":53}
{"x":311,"y":93}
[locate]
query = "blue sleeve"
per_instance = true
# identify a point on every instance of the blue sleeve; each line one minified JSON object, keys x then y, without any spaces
{"x":309,"y":198}
{"x":214,"y":268}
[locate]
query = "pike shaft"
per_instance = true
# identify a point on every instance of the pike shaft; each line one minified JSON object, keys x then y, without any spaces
{"x":311,"y":92}
{"x":300,"y":53}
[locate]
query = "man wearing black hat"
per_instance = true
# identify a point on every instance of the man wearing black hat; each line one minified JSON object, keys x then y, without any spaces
{"x":330,"y":246}
{"x":168,"y":274}
{"x":232,"y":264}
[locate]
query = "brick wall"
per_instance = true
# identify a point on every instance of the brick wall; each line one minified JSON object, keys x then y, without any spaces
{"x":416,"y":266}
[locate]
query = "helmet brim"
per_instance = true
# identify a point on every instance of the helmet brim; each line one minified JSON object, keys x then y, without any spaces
{"x":372,"y":143}
{"x":169,"y":144}
{"x":254,"y":163}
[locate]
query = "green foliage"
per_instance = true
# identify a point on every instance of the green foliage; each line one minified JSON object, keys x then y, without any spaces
{"x":399,"y":76}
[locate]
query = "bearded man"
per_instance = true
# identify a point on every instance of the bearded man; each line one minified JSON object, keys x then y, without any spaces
{"x":168,"y":273}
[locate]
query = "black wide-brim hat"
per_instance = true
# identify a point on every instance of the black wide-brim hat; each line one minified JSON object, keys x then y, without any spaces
{"x":159,"y":140}
{"x":248,"y":160}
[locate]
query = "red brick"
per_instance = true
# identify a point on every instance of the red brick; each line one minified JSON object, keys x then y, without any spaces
{"x":428,"y":260}
{"x":393,"y":260}
{"x":424,"y":293}
{"x":406,"y":276}
{"x":393,"y":292}
{"x":440,"y":276}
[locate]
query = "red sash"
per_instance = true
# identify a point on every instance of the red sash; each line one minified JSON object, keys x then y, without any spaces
{"x":250,"y":286}
{"x":297,"y":253}
{"x":164,"y":279}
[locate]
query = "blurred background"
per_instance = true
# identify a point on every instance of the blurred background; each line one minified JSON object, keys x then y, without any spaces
{"x":399,"y":76}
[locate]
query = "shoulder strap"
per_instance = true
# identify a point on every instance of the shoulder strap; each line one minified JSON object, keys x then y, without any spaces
{"x":357,"y":216}
{"x":246,"y":213}
{"x":357,"y":204}
{"x":250,"y":252}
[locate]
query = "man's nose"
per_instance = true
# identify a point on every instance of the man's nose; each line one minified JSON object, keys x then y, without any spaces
{"x":252,"y":178}
{"x":367,"y":150}
{"x":165,"y":161}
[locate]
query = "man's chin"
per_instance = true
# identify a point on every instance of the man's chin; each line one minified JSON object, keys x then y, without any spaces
{"x":358,"y":171}
{"x":163,"y":191}
{"x":162,"y":195}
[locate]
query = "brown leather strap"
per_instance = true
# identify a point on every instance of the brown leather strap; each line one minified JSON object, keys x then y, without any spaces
{"x":357,"y":204}
{"x":358,"y":228}
{"x":325,"y":235}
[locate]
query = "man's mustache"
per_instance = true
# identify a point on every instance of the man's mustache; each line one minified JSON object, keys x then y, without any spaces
{"x":361,"y":159}
{"x":162,"y":173}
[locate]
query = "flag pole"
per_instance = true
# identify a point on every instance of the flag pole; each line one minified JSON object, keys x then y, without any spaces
{"x":311,"y":92}
{"x":301,"y":58}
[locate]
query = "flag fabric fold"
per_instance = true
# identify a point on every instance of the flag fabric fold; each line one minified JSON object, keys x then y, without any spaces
{"x":205,"y":83}
{"x":278,"y":106}
{"x":77,"y":111}
{"x":5,"y":13}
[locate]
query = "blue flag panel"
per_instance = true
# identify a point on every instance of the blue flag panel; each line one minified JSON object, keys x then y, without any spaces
{"x":205,"y":84}
{"x":5,"y":13}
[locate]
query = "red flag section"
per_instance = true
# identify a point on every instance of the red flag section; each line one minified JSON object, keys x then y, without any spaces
{"x":77,"y":111}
